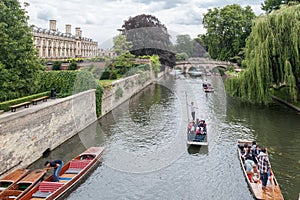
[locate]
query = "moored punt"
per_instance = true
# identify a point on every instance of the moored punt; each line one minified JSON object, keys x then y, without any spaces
{"x":70,"y":175}
{"x":18,"y":189}
{"x":12,"y":178}
{"x":272,"y":190}
{"x":196,"y":137}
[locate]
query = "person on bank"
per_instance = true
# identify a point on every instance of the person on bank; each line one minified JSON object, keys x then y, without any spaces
{"x":56,"y":165}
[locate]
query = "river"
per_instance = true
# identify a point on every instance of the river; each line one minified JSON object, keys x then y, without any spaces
{"x":146,"y":155}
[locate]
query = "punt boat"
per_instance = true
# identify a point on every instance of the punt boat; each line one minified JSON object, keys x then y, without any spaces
{"x":272,"y":190}
{"x":18,"y":189}
{"x":208,"y":88}
{"x":195,"y":137}
{"x":12,"y":178}
{"x":70,"y":175}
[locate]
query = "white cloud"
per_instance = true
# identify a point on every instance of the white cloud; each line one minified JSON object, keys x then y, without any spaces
{"x":100,"y":19}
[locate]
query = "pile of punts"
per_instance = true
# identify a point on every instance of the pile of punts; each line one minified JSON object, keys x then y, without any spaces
{"x":23,"y":185}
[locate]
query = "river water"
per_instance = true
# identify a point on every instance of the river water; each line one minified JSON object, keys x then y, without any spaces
{"x":146,"y":155}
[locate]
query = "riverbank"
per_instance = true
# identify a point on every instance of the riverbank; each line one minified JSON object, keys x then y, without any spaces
{"x":286,"y":103}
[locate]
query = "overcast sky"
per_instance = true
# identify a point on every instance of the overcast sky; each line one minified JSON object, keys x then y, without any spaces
{"x":100,"y":19}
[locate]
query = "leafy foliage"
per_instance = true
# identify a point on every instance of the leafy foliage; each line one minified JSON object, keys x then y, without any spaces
{"x":73,"y":66}
{"x":184,"y":44}
{"x":181,"y":56}
{"x":19,"y":64}
{"x":227,"y":29}
{"x":56,"y":65}
{"x":121,"y":45}
{"x":149,"y":37}
{"x":272,"y":57}
{"x":270,"y":5}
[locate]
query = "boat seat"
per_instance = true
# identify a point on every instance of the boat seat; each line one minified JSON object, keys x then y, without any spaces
{"x":40,"y":194}
{"x":76,"y":166}
{"x":46,"y":188}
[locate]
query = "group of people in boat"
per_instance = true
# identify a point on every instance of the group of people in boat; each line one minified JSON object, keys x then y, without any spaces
{"x":198,"y":128}
{"x":256,"y":164}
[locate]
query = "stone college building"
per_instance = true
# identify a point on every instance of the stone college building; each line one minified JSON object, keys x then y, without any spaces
{"x":54,"y":45}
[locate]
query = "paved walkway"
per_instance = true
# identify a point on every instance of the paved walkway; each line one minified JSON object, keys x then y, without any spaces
{"x":8,"y":115}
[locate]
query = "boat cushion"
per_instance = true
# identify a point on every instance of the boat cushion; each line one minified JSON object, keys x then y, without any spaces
{"x":73,"y":171}
{"x":47,"y":186}
{"x":40,"y":194}
{"x":79,"y":164}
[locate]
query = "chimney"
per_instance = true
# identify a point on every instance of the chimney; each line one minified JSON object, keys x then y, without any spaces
{"x":52,"y":25}
{"x":68,"y":28}
{"x":78,"y":32}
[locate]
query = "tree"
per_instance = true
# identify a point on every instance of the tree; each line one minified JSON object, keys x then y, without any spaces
{"x":272,"y":57}
{"x":149,"y":37}
{"x":227,"y":29}
{"x":184,"y":44}
{"x":19,"y":64}
{"x":198,"y":49}
{"x":121,"y":45}
{"x":270,"y":5}
{"x":181,"y":56}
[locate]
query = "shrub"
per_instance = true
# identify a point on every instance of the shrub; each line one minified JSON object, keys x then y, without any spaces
{"x":56,"y":65}
{"x":73,"y":66}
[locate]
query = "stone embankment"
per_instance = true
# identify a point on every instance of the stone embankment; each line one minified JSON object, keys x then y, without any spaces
{"x":26,"y":134}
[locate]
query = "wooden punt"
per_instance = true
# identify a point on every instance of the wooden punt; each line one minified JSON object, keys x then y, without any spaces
{"x":272,"y":190}
{"x":193,"y":139}
{"x":70,"y":176}
{"x":208,"y":88}
{"x":12,"y":178}
{"x":18,"y":189}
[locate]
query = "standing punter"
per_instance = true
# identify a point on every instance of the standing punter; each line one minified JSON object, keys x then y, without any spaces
{"x":56,"y":165}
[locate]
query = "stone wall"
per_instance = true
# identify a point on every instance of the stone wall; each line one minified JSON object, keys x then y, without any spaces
{"x":26,"y":134}
{"x":121,"y":90}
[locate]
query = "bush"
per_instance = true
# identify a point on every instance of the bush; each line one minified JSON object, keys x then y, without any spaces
{"x":105,"y":75}
{"x":56,"y":65}
{"x":73,"y":66}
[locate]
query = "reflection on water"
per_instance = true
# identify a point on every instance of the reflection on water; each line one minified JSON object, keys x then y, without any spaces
{"x":146,"y":155}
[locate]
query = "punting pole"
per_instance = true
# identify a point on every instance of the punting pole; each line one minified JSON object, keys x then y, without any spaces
{"x":187,"y":107}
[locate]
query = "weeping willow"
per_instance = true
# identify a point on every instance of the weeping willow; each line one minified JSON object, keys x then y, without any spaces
{"x":272,"y":57}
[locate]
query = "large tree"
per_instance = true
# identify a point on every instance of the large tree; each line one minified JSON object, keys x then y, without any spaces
{"x":270,"y":5}
{"x":226,"y":30}
{"x":19,"y":64}
{"x":149,"y":36}
{"x":184,"y":44}
{"x":272,"y":57}
{"x":121,"y":45}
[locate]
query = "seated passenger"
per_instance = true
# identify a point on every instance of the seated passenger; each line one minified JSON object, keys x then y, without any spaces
{"x":248,"y":167}
{"x":204,"y":126}
{"x":256,"y":174}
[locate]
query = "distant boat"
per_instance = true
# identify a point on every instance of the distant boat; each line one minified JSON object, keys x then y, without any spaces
{"x":12,"y":178}
{"x":272,"y":190}
{"x":196,"y":137}
{"x":208,"y":88}
{"x":70,"y":175}
{"x":18,"y":189}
